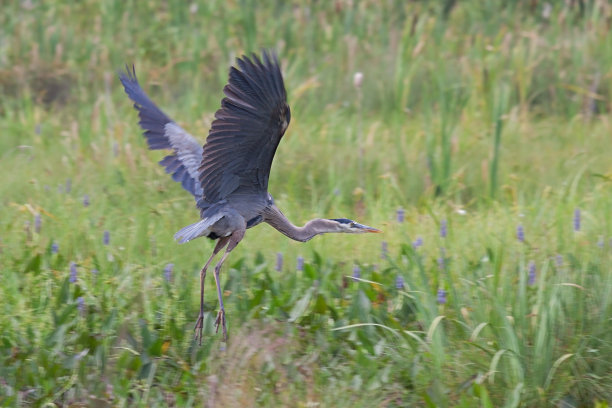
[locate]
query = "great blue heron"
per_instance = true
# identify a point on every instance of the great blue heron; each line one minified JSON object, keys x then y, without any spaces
{"x":229,"y":175}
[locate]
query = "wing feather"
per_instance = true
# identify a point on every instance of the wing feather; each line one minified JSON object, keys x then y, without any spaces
{"x":163,"y":133}
{"x":246,"y":131}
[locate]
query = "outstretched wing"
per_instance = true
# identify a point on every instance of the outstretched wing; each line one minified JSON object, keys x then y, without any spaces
{"x":246,"y":131}
{"x":163,"y":133}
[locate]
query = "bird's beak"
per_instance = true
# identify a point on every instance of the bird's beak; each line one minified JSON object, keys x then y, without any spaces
{"x":365,"y":228}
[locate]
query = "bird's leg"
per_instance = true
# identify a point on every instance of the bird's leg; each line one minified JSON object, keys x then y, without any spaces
{"x":234,"y":239}
{"x":200,"y":322}
{"x":221,"y":314}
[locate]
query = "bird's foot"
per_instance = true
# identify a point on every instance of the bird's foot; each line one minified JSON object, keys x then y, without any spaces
{"x":221,"y":321}
{"x":198,"y":328}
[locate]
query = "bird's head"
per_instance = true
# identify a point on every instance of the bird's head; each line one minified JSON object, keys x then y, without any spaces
{"x":351,"y":227}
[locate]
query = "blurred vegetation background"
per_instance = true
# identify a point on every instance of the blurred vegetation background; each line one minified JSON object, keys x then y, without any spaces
{"x":477,"y":139}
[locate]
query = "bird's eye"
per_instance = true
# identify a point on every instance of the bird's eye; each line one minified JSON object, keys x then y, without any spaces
{"x":351,"y":225}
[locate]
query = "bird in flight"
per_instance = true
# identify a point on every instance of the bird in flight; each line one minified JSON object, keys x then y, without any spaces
{"x":228,"y":176}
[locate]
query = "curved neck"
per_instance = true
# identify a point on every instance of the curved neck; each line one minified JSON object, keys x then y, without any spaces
{"x":277,"y":219}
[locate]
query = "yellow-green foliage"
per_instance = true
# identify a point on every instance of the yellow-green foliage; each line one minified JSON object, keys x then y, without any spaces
{"x":486,"y":116}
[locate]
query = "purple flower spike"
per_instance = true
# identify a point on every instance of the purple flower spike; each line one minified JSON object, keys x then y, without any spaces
{"x":73,"y":272}
{"x":520,"y":233}
{"x":559,"y":260}
{"x":356,"y":272}
{"x":168,"y":272}
{"x":601,"y":243}
{"x":106,"y":239}
{"x":441,"y":296}
{"x":300,"y":264}
{"x":86,"y":200}
{"x":94,"y":271}
{"x":441,"y":262}
{"x":417,"y":243}
{"x":54,"y":248}
{"x":384,"y":250}
{"x":443,"y":229}
{"x":442,"y":258}
{"x":400,"y":214}
{"x":279,"y":262}
{"x":81,"y":304}
{"x":37,"y":223}
{"x":68,"y":186}
{"x":577,"y":219}
{"x":532,"y":273}
{"x":399,"y":282}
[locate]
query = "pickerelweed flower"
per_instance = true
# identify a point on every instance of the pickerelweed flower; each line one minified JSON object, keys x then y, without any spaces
{"x":520,"y":233}
{"x":399,"y":282}
{"x":86,"y":200}
{"x":37,"y":223}
{"x":168,"y":272}
{"x":384,"y":250}
{"x":94,"y":271}
{"x":400,"y":214}
{"x":300,"y":264}
{"x":106,"y":238}
{"x":54,"y":247}
{"x":441,"y":298}
{"x":279,"y":262}
{"x":577,"y":219}
{"x":442,"y":258}
{"x":73,"y":272}
{"x":356,"y":272}
{"x":441,"y":262}
{"x":443,"y":229}
{"x":81,"y":304}
{"x":532,"y":273}
{"x":417,"y":243}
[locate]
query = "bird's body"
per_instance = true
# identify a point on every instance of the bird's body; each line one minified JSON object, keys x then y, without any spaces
{"x":228,"y":176}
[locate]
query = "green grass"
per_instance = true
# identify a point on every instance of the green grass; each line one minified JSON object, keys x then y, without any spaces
{"x":481,"y":116}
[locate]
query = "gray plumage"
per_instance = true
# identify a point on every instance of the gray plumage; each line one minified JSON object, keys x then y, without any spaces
{"x":162,"y":133}
{"x":228,"y":177}
{"x":246,"y":131}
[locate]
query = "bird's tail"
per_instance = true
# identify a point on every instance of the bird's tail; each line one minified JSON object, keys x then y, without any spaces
{"x":199,"y":229}
{"x":192,"y":231}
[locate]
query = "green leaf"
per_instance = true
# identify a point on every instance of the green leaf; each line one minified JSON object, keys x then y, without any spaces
{"x":481,"y":391}
{"x":300,"y":306}
{"x":310,"y":272}
{"x":320,"y":305}
{"x":363,"y":303}
{"x":515,"y":398}
{"x":34,"y":264}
